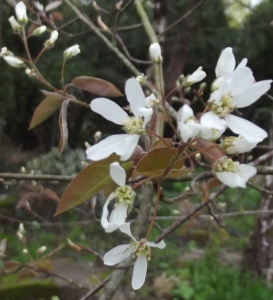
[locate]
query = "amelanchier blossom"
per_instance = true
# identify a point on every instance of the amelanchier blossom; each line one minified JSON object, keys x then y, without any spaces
{"x":16,"y":27}
{"x":124,"y":196}
{"x":155,"y":52}
{"x":5,"y":52}
{"x":72,"y":51}
{"x":234,"y":145}
{"x":38,"y":31}
{"x":21,"y":13}
{"x":122,"y":144}
{"x":189,"y":127}
{"x":231,"y":173}
{"x":196,"y":76}
{"x":139,"y":249}
{"x":236,"y":89}
{"x":53,"y":38}
{"x":14,"y":61}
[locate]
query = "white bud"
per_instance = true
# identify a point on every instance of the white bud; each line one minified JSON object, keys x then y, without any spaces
{"x":30,"y":73}
{"x":20,"y":236}
{"x":141,"y":79}
{"x":97,"y":136}
{"x":155,"y":52}
{"x":72,"y":51}
{"x":21,"y":13}
{"x":51,"y":41}
{"x":25,"y":251}
{"x":15,"y":25}
{"x":5,"y":52}
{"x":41,"y":250}
{"x":14,"y":61}
{"x":21,"y":228}
{"x":196,"y":76}
{"x":39,"y":6}
{"x":38,"y":31}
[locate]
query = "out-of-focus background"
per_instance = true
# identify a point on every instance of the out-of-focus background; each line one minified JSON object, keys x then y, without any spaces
{"x":202,"y":260}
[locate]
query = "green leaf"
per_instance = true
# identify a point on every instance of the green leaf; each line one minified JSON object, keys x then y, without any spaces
{"x":88,"y":182}
{"x":157,"y":160}
{"x":46,"y":108}
{"x":97,"y":86}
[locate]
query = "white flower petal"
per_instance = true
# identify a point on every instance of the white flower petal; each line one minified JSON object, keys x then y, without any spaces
{"x":105,"y":147}
{"x":188,"y":130}
{"x":119,"y":214}
{"x":184,"y":113}
{"x":226,"y":63}
{"x":250,"y":131}
{"x":146,"y":113}
{"x":139,"y":272}
{"x":242,"y":64}
{"x":105,"y":212}
{"x":246,"y":171}
{"x":117,"y":173}
{"x":135,"y":96}
{"x":127,"y":146}
{"x":231,"y":179}
{"x":252,"y":94}
{"x":117,"y":254}
{"x":109,"y":110}
{"x":213,"y":121}
{"x":160,"y":245}
{"x":196,"y":76}
{"x":242,"y":145}
{"x":126,"y":228}
{"x":242,"y":79}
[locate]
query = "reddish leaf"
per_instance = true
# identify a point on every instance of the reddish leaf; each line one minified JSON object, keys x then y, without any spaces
{"x":57,"y":16}
{"x":88,"y":182}
{"x":53,"y":5}
{"x":26,"y":273}
{"x":160,"y":143}
{"x":157,"y":160}
{"x":97,"y":86}
{"x":63,"y":126}
{"x":8,"y":264}
{"x":213,"y":182}
{"x":46,"y":108}
{"x":211,"y":150}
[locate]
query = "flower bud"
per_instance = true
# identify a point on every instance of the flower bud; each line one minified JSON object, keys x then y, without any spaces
{"x":15,"y":25}
{"x":25,"y":251}
{"x":39,"y":6}
{"x":5,"y":52}
{"x":72,"y":51}
{"x":51,"y":41}
{"x":155,"y":52}
{"x":141,"y":79}
{"x":21,"y":228}
{"x":196,"y":76}
{"x":38,"y":31}
{"x":14,"y":61}
{"x":30,"y":73}
{"x":41,"y":250}
{"x":21,"y":13}
{"x":97,"y":136}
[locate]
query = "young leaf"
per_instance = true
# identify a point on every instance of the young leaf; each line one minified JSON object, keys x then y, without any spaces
{"x":157,"y":160}
{"x":46,"y":108}
{"x":88,"y":182}
{"x":63,"y":126}
{"x":97,"y":86}
{"x":211,"y":150}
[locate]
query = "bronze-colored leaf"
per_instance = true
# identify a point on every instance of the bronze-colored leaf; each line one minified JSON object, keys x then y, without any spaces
{"x":211,"y":150}
{"x":26,"y":273}
{"x":8,"y":264}
{"x":63,"y":126}
{"x":155,"y":162}
{"x":57,"y":16}
{"x":97,"y":86}
{"x":213,"y":182}
{"x":46,"y":108}
{"x":160,"y":143}
{"x":88,"y":182}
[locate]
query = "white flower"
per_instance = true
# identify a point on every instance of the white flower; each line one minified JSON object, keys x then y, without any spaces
{"x":196,"y":76}
{"x":151,"y":100}
{"x":233,"y":173}
{"x":233,"y":145}
{"x":14,"y":61}
{"x":189,"y":127}
{"x":5,"y":52}
{"x":21,"y":13}
{"x":122,"y":144}
{"x":155,"y":52}
{"x":140,"y":249}
{"x":39,"y":6}
{"x":124,"y":196}
{"x":236,"y":89}
{"x":38,"y":31}
{"x":15,"y":25}
{"x":51,"y":41}
{"x":72,"y":51}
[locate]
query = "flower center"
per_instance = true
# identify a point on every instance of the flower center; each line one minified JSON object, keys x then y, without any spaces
{"x":226,"y":165}
{"x":142,"y":249}
{"x":134,"y":125}
{"x":125,"y":194}
{"x":224,"y":107}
